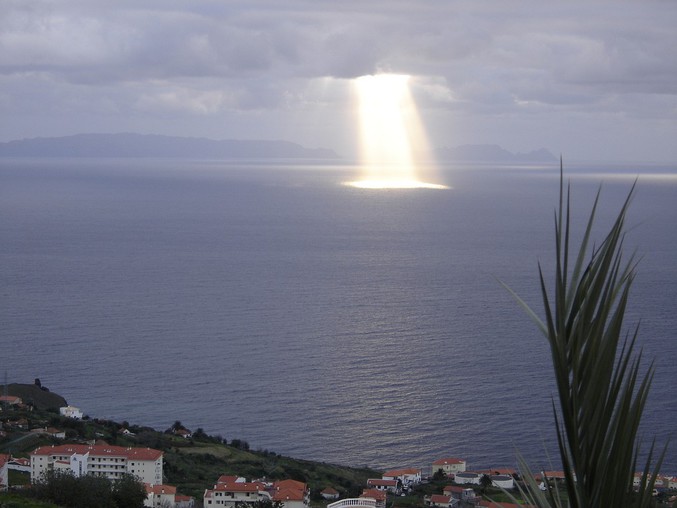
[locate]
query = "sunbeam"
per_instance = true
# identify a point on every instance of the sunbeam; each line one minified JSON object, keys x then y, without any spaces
{"x":391,"y":135}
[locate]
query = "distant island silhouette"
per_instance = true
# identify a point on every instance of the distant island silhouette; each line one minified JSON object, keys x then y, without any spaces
{"x":130,"y":145}
{"x":153,"y":145}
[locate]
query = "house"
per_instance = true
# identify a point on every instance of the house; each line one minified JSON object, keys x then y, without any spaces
{"x":159,"y":496}
{"x":291,"y":493}
{"x":70,"y":412}
{"x":4,"y":471}
{"x":461,"y":493}
{"x":228,"y":493}
{"x":184,"y":433}
{"x":330,"y":494}
{"x":10,"y":400}
{"x":165,"y":496}
{"x":408,"y":477}
{"x":230,"y":490}
{"x":449,"y":465}
{"x":441,"y":501}
{"x":181,"y":501}
{"x":103,"y":460}
{"x":377,"y":495}
{"x":391,"y":486}
{"x":19,"y":464}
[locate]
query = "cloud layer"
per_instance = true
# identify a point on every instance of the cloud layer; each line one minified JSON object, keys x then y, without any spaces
{"x":493,"y":71}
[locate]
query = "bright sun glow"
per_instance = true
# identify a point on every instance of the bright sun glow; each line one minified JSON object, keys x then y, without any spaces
{"x":391,"y":135}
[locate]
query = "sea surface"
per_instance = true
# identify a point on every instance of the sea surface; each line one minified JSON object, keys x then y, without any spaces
{"x":271,"y":303}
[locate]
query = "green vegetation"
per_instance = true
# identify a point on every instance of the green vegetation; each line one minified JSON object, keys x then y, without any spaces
{"x":16,"y":500}
{"x":600,"y":387}
{"x":193,"y":464}
{"x":66,"y":490}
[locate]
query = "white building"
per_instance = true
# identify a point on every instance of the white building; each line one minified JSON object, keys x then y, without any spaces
{"x":391,"y":486}
{"x":231,"y":489}
{"x":70,"y":412}
{"x":103,"y":460}
{"x":449,"y":466}
{"x":408,"y":477}
{"x":227,"y":493}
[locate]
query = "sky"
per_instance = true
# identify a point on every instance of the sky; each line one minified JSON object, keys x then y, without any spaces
{"x":593,"y":80}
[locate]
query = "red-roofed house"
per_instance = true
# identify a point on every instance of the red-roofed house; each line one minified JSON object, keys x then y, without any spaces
{"x":449,"y":466}
{"x":460,"y":493}
{"x":229,"y":493}
{"x":408,"y":477}
{"x":330,"y":494}
{"x":233,"y":489}
{"x":291,"y":493}
{"x":102,"y":460}
{"x":158,"y":496}
{"x":441,"y":501}
{"x":181,"y":501}
{"x":377,"y":495}
{"x":386,"y":485}
{"x":10,"y":400}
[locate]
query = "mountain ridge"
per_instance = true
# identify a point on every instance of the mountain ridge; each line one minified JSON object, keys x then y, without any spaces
{"x":134,"y":145}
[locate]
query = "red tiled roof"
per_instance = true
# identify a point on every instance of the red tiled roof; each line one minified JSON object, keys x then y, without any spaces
{"x":288,"y":494}
{"x":443,"y":462}
{"x":329,"y":491}
{"x":290,"y":484}
{"x":382,"y":483}
{"x":379,"y":495}
{"x":240,"y":487}
{"x":227,"y":479}
{"x":454,"y":488}
{"x":440,"y":499}
{"x":159,"y":489}
{"x":100,"y":450}
{"x":3,"y":458}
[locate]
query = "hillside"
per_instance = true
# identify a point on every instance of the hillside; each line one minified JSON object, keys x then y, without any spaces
{"x":38,"y":396}
{"x":192,"y":464}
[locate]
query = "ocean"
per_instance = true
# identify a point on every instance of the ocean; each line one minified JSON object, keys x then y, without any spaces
{"x":270,"y":303}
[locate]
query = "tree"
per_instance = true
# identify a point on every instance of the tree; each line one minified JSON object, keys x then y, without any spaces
{"x":485,"y":482}
{"x":601,"y":390}
{"x":128,"y":491}
{"x":89,"y":491}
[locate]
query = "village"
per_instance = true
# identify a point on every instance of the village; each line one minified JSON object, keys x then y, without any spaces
{"x":459,"y":486}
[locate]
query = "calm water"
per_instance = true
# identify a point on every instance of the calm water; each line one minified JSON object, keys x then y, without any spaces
{"x":272,"y":304}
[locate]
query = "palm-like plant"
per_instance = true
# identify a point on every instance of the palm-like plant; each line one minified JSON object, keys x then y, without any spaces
{"x":601,"y":390}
